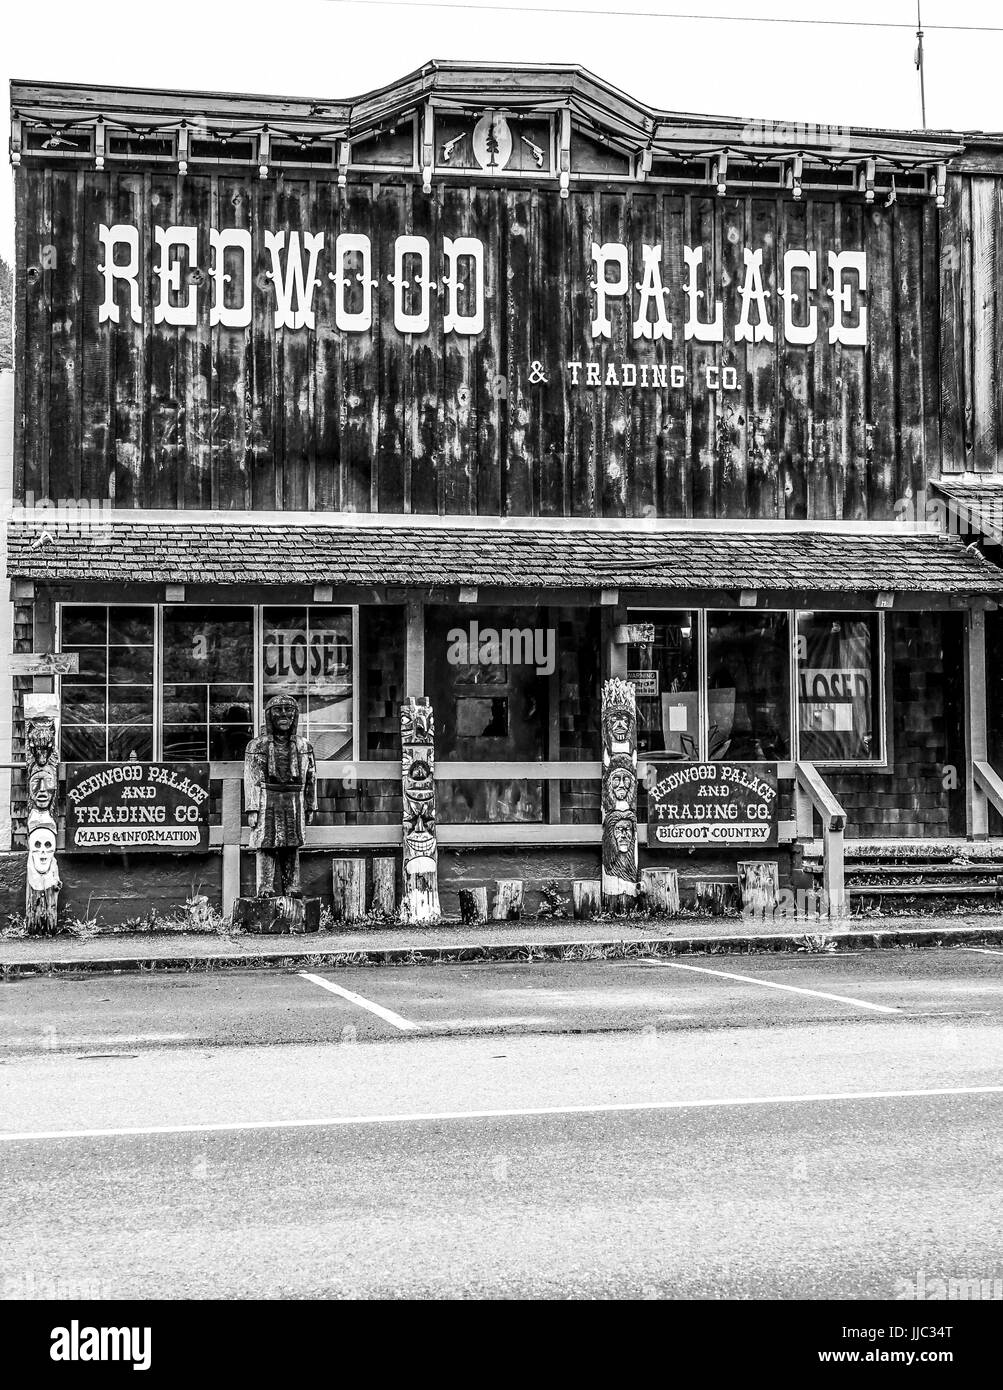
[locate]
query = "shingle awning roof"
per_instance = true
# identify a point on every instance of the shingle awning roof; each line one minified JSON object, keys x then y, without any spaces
{"x":218,"y":551}
{"x":975,"y":508}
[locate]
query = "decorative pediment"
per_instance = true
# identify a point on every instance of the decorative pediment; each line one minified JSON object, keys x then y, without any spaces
{"x":479,"y":121}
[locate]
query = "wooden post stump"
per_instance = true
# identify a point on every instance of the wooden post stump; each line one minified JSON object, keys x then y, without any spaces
{"x":586,"y":898}
{"x":473,"y":904}
{"x":759,"y":885}
{"x":277,"y":916}
{"x":349,"y":889}
{"x":385,"y":885}
{"x":507,"y":905}
{"x":660,"y":888}
{"x":713,"y":897}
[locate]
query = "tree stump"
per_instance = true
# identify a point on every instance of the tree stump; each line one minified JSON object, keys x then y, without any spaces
{"x":349,"y":889}
{"x":759,"y":884}
{"x":473,"y":904}
{"x":713,"y":897}
{"x":586,"y":898}
{"x":276,"y":916}
{"x":660,"y":888}
{"x":385,"y":885}
{"x":507,"y":905}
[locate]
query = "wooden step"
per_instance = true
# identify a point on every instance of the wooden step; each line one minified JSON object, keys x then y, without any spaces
{"x":924,"y":890}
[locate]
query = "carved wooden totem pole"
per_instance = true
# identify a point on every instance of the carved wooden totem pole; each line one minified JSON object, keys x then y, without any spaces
{"x":41,"y":909}
{"x":619,"y":794}
{"x":420,"y":902}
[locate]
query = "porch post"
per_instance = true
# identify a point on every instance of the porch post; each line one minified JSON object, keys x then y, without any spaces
{"x":976,"y":735}
{"x":414,"y":670}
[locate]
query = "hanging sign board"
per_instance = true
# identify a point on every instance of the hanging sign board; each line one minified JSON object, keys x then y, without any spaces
{"x":712,"y":804}
{"x":112,"y":807}
{"x":44,"y":663}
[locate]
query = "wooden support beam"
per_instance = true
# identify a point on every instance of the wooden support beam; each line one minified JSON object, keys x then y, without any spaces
{"x":414,"y":675}
{"x":231,"y":844}
{"x":976,"y":729}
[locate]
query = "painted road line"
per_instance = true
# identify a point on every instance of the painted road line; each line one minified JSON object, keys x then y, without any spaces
{"x":773,"y":984}
{"x":387,"y":1015}
{"x":434,"y":1116}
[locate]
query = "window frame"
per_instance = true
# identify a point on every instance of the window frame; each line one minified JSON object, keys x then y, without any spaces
{"x":879,"y":667}
{"x":257,"y":612}
{"x":879,"y":658}
{"x":157,"y":683}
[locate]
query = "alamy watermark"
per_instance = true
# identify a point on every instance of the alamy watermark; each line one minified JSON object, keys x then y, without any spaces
{"x":507,"y":646}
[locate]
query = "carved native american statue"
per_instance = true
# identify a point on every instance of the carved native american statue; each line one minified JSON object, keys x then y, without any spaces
{"x":420,"y":902}
{"x":619,"y":793}
{"x":280,"y":792}
{"x":41,"y":906}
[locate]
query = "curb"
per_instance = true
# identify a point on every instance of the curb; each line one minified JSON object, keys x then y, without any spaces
{"x":612,"y":948}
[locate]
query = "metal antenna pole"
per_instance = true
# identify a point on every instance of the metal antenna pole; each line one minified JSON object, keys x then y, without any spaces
{"x":919,"y":62}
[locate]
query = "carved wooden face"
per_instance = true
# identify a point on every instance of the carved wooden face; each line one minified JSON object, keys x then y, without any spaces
{"x":282,"y":715}
{"x":42,"y":788}
{"x":618,"y":722}
{"x":419,"y":812}
{"x":619,"y":852}
{"x":41,"y":740}
{"x":620,"y":784}
{"x":417,"y":724}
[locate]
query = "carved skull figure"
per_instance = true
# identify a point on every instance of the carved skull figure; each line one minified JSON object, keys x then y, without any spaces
{"x":43,"y":871}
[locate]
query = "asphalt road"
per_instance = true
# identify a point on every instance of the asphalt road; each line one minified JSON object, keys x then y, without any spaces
{"x":822,"y":1127}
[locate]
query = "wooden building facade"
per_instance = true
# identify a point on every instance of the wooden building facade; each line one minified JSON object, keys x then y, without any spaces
{"x":488,"y":386}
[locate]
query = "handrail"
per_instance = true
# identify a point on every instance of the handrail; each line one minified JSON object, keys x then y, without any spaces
{"x":809,"y":780}
{"x":989,"y":781}
{"x":811,"y":794}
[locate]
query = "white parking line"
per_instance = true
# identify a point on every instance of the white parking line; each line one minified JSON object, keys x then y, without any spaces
{"x":613,"y":1108}
{"x":773,"y":984}
{"x":387,"y":1015}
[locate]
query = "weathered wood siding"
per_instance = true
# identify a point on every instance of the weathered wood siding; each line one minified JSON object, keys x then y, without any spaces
{"x":158,"y":416}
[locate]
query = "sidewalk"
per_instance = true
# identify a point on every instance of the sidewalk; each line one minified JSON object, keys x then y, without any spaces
{"x":529,"y":940}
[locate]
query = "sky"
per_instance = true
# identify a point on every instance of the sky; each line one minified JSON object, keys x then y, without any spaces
{"x":847,"y":74}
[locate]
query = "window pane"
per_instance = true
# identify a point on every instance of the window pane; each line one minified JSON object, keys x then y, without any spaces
{"x":130,"y":627}
{"x":185,"y":704}
{"x":307,"y":653}
{"x":664,"y":673}
{"x":748,"y":678}
{"x":838,"y":715}
{"x":93,"y":666}
{"x":130,"y":665}
{"x":83,"y":627}
{"x":185,"y":743}
{"x":329,"y":744}
{"x":83,"y":704}
{"x":228,"y":743}
{"x":225,"y":707}
{"x":208,"y":644}
{"x":307,"y":650}
{"x":126,"y":743}
{"x":82,"y":745}
{"x":130,"y":705}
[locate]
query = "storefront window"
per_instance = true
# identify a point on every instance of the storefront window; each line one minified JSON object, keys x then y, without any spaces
{"x":838,"y":686}
{"x":748,"y":686}
{"x":664,"y":672}
{"x":106,"y":710}
{"x":487,"y":671}
{"x":309,"y":653}
{"x":208,"y":672}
